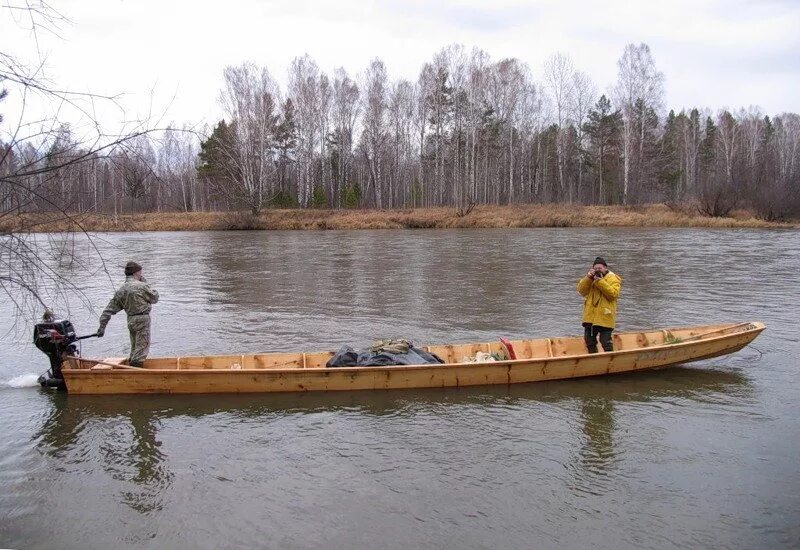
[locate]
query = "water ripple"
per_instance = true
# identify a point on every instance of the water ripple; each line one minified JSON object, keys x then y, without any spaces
{"x":699,"y":456}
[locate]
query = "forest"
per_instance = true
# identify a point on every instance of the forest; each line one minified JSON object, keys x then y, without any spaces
{"x":468,"y":131}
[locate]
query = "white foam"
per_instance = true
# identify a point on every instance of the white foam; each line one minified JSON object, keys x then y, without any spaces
{"x":22,"y":381}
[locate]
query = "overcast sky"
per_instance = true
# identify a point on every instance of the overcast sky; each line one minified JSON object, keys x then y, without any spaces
{"x":714,"y":54}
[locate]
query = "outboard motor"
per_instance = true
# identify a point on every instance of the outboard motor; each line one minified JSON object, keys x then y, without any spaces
{"x":56,"y":338}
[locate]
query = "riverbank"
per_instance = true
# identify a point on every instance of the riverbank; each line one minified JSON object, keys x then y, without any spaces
{"x":550,"y":215}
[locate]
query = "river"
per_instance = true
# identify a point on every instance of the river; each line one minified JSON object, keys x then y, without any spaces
{"x":703,"y":455}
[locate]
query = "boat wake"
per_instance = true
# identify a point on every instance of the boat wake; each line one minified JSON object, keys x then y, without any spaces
{"x":21,"y":381}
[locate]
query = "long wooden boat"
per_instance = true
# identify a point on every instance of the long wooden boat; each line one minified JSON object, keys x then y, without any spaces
{"x":537,"y":360}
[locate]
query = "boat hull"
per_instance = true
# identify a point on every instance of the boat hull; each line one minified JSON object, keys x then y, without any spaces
{"x":534,"y":369}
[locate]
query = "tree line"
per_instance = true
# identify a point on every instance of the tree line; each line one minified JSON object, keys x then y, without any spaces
{"x":469,"y":130}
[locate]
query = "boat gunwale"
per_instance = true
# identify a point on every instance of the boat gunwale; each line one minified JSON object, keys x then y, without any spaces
{"x":753,"y":327}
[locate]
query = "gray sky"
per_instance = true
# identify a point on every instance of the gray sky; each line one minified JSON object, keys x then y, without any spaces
{"x":714,"y":54}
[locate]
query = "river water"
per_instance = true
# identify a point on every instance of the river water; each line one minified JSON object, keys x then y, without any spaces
{"x":704,"y":455}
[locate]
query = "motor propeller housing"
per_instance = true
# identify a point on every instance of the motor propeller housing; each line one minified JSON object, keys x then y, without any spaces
{"x":56,"y":339}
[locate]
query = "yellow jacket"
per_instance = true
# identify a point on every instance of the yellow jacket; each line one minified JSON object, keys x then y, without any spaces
{"x":600,"y":307}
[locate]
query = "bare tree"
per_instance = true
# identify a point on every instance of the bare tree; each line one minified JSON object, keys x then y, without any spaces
{"x":559,"y":75}
{"x":506,"y":88}
{"x":690,"y":134}
{"x":531,"y":120}
{"x":375,"y":127}
{"x":136,"y":163}
{"x":304,"y":91}
{"x":346,"y":109}
{"x":44,"y":165}
{"x":638,"y":82}
{"x":401,"y":119}
{"x":177,"y":168}
{"x":454,"y":58}
{"x":477,"y":101}
{"x":729,"y":130}
{"x":788,"y":146}
{"x":249,"y":100}
{"x":440,"y":103}
{"x":584,"y":94}
{"x":324,"y":111}
{"x":426,"y":83}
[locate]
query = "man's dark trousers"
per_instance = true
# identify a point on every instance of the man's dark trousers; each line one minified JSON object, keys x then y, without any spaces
{"x":590,"y":334}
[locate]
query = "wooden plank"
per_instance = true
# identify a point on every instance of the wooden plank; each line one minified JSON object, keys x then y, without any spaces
{"x":162,"y":363}
{"x":559,"y":347}
{"x":85,"y":363}
{"x":208,"y":361}
{"x":277,"y":361}
{"x":523,"y":348}
{"x":318,"y":360}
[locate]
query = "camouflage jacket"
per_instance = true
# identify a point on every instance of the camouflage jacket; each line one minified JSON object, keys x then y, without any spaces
{"x":135,"y":297}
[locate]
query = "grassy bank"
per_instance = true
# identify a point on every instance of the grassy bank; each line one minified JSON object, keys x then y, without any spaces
{"x":560,"y":215}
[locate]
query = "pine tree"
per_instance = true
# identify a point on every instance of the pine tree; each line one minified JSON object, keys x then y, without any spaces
{"x":286,"y":145}
{"x":440,"y":103}
{"x":671,"y":173}
{"x":216,"y":165}
{"x":708,"y":154}
{"x":603,"y":129}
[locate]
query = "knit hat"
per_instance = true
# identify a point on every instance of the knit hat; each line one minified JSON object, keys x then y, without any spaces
{"x":131,"y":268}
{"x":600,"y":260}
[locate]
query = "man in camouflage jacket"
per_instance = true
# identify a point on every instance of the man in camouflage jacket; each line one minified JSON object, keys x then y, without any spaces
{"x":136,"y":297}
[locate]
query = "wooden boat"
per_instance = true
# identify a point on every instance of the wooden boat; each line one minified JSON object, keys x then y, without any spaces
{"x":537,"y":360}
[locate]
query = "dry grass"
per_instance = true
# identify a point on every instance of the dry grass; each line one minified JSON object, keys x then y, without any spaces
{"x":545,"y":215}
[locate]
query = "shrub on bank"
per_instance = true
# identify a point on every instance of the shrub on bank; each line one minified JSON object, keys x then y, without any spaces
{"x":240,"y":221}
{"x":531,"y":215}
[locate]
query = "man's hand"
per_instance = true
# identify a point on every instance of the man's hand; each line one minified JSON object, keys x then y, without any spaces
{"x":591,"y":274}
{"x":100,"y":332}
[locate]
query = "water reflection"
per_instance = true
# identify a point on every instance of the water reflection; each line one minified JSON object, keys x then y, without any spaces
{"x":146,"y":459}
{"x":122,"y":433}
{"x":597,"y":452}
{"x":121,"y":439}
{"x":69,"y":411}
{"x":596,"y":459}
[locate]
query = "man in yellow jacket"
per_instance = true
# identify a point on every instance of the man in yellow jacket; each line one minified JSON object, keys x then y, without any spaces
{"x":601,"y":289}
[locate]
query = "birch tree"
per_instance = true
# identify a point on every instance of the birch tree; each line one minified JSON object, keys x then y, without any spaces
{"x":401,"y":119}
{"x":690,"y":142}
{"x":559,"y":76}
{"x":426,"y":84}
{"x":638,"y":81}
{"x":375,"y":127}
{"x":728,"y":132}
{"x":346,"y":109}
{"x":304,"y":91}
{"x":507,"y":85}
{"x":177,"y":168}
{"x":249,"y":100}
{"x":477,"y":98}
{"x":584,"y":93}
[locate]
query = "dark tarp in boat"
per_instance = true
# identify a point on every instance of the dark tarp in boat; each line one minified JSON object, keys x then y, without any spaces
{"x":383,"y":353}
